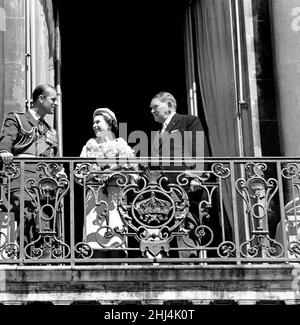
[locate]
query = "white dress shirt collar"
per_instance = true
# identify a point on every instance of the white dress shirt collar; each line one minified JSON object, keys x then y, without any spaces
{"x":34,"y":114}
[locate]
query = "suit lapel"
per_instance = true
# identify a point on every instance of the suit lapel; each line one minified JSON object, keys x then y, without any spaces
{"x":172,"y":125}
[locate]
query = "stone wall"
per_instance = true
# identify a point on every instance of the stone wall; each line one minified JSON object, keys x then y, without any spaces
{"x":12,"y":57}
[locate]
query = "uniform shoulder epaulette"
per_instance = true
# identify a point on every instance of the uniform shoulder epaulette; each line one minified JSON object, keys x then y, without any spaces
{"x":15,"y":113}
{"x":19,"y":116}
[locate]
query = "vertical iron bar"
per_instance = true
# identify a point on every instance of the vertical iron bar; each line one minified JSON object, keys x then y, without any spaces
{"x":282,"y":213}
{"x":62,"y":224}
{"x":85,"y":209}
{"x":21,"y":217}
{"x":72,"y":227}
{"x":222,"y":211}
{"x":9,"y":208}
{"x":235,"y":214}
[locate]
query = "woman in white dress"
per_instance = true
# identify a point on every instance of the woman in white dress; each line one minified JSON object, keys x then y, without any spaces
{"x":103,"y":226}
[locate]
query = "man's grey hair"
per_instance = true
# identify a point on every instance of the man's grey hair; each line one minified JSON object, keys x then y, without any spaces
{"x":164,"y":96}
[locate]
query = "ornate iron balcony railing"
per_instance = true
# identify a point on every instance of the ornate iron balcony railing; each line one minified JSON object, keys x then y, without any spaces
{"x":229,"y":210}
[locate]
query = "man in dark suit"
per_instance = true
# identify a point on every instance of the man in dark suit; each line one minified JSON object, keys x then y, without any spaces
{"x":180,"y":136}
{"x":27,"y":135}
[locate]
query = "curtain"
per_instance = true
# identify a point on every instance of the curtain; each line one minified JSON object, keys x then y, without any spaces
{"x":190,"y":64}
{"x":215,"y":64}
{"x":211,"y":49}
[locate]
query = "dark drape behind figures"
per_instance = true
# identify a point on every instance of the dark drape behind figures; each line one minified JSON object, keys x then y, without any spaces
{"x":214,"y":73}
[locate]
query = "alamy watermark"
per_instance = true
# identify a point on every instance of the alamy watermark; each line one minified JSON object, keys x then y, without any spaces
{"x":179,"y":148}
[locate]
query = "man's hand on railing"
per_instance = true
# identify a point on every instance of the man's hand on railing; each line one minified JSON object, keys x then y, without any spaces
{"x":6,"y":157}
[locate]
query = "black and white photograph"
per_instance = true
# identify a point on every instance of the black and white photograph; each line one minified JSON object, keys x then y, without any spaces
{"x":150,"y":156}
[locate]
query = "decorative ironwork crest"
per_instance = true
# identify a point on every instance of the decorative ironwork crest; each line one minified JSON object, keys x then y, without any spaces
{"x":156,"y":213}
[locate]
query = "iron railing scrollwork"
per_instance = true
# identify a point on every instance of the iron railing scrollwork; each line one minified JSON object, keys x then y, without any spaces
{"x":258,"y":193}
{"x":291,"y":173}
{"x":143,"y":216}
{"x":47,"y":193}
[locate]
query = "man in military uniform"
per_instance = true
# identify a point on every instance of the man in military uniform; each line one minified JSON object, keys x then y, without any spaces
{"x":29,"y":135}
